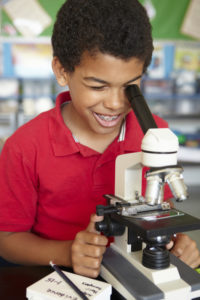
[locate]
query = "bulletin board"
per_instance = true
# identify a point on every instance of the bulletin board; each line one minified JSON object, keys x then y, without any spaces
{"x":168,"y":19}
{"x":165,"y":25}
{"x":51,"y":7}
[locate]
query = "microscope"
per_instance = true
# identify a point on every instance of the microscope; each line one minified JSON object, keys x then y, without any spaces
{"x":137,"y":263}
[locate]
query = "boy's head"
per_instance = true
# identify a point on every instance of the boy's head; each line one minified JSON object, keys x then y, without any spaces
{"x":117,"y":27}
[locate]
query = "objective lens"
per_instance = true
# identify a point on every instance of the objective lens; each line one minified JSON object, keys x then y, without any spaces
{"x":177,"y":186}
{"x":153,"y":190}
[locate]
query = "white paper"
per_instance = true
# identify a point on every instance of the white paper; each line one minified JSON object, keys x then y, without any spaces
{"x":28,"y":16}
{"x":53,"y":287}
{"x":191,"y":21}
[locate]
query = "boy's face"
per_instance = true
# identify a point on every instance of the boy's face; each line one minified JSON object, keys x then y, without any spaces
{"x":97,"y":86}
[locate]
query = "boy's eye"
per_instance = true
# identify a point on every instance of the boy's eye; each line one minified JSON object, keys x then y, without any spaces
{"x":97,"y":88}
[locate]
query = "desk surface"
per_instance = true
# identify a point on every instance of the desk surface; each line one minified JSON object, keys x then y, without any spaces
{"x":15,"y":280}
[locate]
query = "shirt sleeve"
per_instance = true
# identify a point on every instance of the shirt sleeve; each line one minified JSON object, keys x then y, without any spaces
{"x":18,"y":192}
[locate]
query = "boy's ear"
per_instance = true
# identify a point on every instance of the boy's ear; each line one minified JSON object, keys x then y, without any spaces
{"x":59,"y":71}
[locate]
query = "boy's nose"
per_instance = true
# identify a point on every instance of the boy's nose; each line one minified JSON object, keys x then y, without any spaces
{"x":115,"y":100}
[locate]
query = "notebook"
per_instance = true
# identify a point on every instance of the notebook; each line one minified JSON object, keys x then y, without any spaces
{"x":53,"y":287}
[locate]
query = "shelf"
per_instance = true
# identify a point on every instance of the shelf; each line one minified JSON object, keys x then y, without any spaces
{"x":162,"y":96}
{"x":25,"y":40}
{"x":181,"y":116}
{"x":189,"y":155}
{"x":5,"y":117}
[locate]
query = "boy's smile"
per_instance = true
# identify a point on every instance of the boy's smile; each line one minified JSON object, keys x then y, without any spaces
{"x":98,"y":104}
{"x":107,"y":120}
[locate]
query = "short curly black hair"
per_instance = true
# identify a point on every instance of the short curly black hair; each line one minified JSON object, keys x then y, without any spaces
{"x":117,"y":27}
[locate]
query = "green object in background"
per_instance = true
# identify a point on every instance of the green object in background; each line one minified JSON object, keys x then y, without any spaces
{"x":52,"y":7}
{"x":198,"y":270}
{"x":168,"y":19}
{"x":166,"y":24}
{"x":182,"y":139}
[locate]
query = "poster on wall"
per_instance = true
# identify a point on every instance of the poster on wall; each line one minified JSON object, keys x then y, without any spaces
{"x":191,"y":23}
{"x":27,"y":58}
{"x":187,"y":58}
{"x":28,"y":16}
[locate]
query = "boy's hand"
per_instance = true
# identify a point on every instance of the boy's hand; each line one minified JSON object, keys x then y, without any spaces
{"x":88,"y":249}
{"x":186,"y":249}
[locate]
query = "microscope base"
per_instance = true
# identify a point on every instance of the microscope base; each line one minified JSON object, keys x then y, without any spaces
{"x":132,"y":284}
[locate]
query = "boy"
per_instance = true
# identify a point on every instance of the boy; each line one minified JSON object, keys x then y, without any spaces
{"x":55,"y":169}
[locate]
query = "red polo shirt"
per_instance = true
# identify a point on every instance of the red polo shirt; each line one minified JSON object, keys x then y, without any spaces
{"x":50,"y":184}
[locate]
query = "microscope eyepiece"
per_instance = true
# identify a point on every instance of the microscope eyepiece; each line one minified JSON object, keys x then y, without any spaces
{"x":140,"y":107}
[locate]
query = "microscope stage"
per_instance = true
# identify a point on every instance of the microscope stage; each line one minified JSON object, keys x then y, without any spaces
{"x":149,"y":228}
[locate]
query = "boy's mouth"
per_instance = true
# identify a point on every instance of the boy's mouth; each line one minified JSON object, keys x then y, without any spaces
{"x":107,"y":120}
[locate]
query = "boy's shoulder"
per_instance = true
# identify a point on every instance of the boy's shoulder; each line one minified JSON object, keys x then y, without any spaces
{"x":39,"y":132}
{"x":38,"y":127}
{"x":31,"y":134}
{"x":160,"y":122}
{"x":35,"y":126}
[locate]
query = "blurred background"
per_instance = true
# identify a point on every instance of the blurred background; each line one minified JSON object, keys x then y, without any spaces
{"x":171,"y":85}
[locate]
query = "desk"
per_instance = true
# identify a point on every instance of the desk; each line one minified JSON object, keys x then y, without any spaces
{"x":15,"y":280}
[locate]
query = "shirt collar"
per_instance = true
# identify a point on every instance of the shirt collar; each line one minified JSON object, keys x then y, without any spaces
{"x":61,"y":137}
{"x":64,"y":143}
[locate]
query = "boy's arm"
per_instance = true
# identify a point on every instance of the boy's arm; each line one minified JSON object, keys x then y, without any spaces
{"x":84,"y":254}
{"x":29,"y":249}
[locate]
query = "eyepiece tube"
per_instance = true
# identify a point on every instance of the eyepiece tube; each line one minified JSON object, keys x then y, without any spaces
{"x":140,"y":107}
